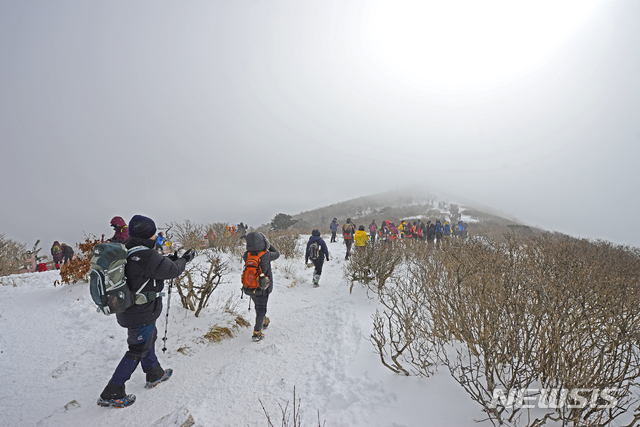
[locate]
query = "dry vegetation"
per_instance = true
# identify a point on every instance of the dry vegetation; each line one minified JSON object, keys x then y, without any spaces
{"x":525,"y":312}
{"x":79,"y":267}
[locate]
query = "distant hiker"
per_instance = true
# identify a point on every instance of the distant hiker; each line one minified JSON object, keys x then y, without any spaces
{"x":384,"y":230}
{"x":373,"y":230}
{"x":348,"y":231}
{"x":439,"y":232}
{"x":334,"y":229}
{"x":56,"y":252}
{"x":121,"y":230}
{"x":463,"y":227}
{"x":400,"y":228}
{"x":211,"y":237}
{"x":316,"y":252}
{"x":393,"y":232}
{"x":408,"y":230}
{"x":258,"y":246}
{"x":420,"y":231}
{"x":431,"y":232}
{"x":146,"y":271}
{"x":67,"y":253}
{"x":242,"y":229}
{"x":446,"y":231}
{"x":159,"y":242}
{"x":360,"y":238}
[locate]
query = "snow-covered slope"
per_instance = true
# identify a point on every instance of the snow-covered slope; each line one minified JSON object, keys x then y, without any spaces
{"x":58,"y":353}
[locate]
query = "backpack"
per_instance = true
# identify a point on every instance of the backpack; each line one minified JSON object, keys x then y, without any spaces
{"x":439,"y":228}
{"x":107,"y":282}
{"x":314,"y":251}
{"x":372,"y":229}
{"x":252,"y":276}
{"x":56,"y":250}
{"x":419,"y":231}
{"x":347,"y":231}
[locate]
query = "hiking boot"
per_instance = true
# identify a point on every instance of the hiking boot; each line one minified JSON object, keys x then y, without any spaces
{"x":115,"y":396}
{"x":316,"y":280}
{"x":266,"y":322}
{"x":257,"y":335}
{"x":165,"y":376}
{"x":117,"y":403}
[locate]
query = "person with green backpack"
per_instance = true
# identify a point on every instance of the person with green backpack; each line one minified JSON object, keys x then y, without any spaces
{"x":145,"y":272}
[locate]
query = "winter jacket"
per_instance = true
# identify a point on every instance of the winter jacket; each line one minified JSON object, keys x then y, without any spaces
{"x":333,"y":226}
{"x":56,"y":251}
{"x":121,"y":230}
{"x":446,"y":230}
{"x":323,"y":248}
{"x":67,"y":250}
{"x":373,"y":227}
{"x":360,"y":238}
{"x":142,"y":266}
{"x":348,"y":230}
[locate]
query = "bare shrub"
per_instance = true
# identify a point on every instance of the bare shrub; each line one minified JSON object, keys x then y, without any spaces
{"x":373,"y":266}
{"x":288,"y":419}
{"x":198,"y":282}
{"x":224,"y":241}
{"x":78,"y":268}
{"x":287,"y":243}
{"x":189,"y":235}
{"x":12,"y":256}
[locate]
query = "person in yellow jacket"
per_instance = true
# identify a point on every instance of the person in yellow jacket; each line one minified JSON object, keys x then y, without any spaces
{"x":360,"y":238}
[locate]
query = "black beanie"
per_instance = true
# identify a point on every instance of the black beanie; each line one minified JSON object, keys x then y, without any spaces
{"x":315,"y":232}
{"x":141,"y":226}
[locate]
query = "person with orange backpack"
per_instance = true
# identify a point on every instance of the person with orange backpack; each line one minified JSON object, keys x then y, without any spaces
{"x":257,"y":277}
{"x":348,"y":230}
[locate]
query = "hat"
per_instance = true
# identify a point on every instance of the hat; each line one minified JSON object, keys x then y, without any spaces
{"x":315,"y":232}
{"x":118,"y":221}
{"x":361,"y":228}
{"x":141,"y":226}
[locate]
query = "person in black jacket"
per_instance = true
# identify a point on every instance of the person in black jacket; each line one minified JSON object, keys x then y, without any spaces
{"x":323,"y":253}
{"x":256,"y":243}
{"x":146,"y":271}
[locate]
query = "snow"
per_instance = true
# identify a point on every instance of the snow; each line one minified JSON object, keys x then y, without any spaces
{"x":57,"y":354}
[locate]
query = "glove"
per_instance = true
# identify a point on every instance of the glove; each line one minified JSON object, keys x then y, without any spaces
{"x":173,"y":256}
{"x":189,"y":255}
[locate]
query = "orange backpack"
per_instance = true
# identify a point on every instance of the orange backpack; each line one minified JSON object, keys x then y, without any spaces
{"x":252,"y":274}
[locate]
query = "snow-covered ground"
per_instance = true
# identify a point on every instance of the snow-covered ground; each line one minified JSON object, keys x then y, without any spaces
{"x":57,"y":354}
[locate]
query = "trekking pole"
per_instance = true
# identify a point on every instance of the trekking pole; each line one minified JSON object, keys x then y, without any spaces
{"x":166,"y":323}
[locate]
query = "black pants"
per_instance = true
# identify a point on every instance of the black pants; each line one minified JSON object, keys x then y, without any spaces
{"x":318,"y":264}
{"x":333,"y":237}
{"x":348,"y":242}
{"x":260,"y":303}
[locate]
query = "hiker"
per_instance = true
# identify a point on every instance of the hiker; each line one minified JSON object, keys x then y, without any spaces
{"x":439,"y":231}
{"x":347,"y":234}
{"x":420,"y":231}
{"x":67,"y":253}
{"x":334,"y":229}
{"x":211,"y":237}
{"x":431,"y":232}
{"x":56,"y":252}
{"x":408,"y":229}
{"x":384,"y":230}
{"x":316,"y":251}
{"x":446,"y":231}
{"x":243,"y":230}
{"x":159,"y":242}
{"x":145,"y":271}
{"x":121,"y":230}
{"x":393,"y":232}
{"x":360,"y":238}
{"x":373,"y":228}
{"x":256,"y":243}
{"x":463,"y":229}
{"x":401,"y":229}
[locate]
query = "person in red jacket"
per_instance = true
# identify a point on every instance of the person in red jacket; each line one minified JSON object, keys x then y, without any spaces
{"x":121,"y":230}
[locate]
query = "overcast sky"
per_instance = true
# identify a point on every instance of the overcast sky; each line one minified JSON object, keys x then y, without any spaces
{"x":238,"y":110}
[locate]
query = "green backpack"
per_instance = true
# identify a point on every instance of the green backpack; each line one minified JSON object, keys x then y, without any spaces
{"x":107,"y":282}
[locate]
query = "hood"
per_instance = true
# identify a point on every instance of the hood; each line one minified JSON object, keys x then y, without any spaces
{"x":257,"y":242}
{"x":117,"y":220}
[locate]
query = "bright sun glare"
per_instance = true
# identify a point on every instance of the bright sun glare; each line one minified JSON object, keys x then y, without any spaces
{"x":461,"y":44}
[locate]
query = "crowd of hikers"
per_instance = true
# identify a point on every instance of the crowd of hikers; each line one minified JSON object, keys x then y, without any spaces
{"x":434,"y":233}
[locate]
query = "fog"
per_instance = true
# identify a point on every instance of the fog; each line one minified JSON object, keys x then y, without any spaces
{"x":236,"y":111}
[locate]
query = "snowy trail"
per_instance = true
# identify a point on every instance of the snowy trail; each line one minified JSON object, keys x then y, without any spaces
{"x":316,"y":342}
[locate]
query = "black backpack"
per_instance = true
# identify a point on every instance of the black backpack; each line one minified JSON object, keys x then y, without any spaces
{"x":314,"y":251}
